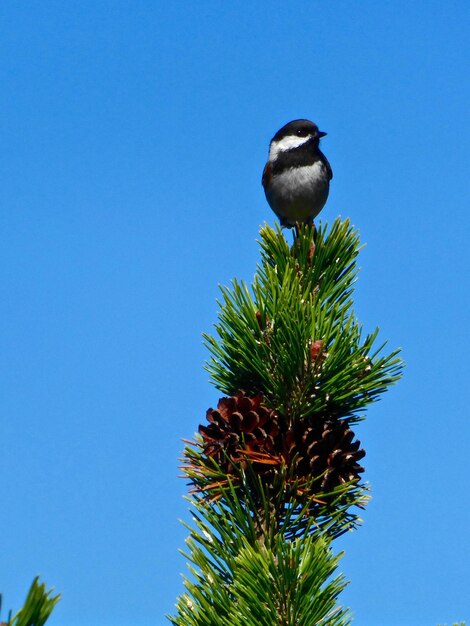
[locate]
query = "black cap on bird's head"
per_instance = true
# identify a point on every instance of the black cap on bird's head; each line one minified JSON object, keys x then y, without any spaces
{"x":299,"y":128}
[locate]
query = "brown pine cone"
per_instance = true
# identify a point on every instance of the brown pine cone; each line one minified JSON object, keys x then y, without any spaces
{"x":240,"y":428}
{"x":326,"y":449}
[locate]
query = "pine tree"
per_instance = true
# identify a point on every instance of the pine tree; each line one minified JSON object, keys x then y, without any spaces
{"x":275,"y":471}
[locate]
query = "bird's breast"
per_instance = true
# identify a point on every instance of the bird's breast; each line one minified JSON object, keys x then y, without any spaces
{"x":300,"y":181}
{"x":298,"y":194}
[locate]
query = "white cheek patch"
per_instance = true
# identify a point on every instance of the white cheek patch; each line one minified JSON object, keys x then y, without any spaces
{"x":287,"y":143}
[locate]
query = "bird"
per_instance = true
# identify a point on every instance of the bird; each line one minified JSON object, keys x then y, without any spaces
{"x":296,"y":177}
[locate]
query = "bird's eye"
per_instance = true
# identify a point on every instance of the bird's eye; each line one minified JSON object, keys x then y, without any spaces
{"x":299,"y":132}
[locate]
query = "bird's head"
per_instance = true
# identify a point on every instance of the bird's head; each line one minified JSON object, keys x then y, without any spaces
{"x":294,"y":135}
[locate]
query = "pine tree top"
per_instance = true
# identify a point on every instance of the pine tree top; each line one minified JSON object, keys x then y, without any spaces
{"x":293,"y":336}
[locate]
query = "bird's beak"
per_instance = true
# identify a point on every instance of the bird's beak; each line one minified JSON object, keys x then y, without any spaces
{"x":321,"y":133}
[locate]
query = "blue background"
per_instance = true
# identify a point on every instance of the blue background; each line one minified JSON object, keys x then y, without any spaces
{"x":133,"y":136}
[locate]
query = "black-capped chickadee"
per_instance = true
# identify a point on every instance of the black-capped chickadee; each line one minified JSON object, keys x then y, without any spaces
{"x":296,"y":178}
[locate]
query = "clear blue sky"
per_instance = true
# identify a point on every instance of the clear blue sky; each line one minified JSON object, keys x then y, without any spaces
{"x":133,"y":136}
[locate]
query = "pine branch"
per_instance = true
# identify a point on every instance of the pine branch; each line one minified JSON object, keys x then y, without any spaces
{"x":37,"y":607}
{"x":300,"y":297}
{"x":239,"y":577}
{"x":279,"y":502}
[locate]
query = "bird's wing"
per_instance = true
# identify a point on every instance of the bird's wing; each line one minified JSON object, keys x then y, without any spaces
{"x":328,"y":166}
{"x":267,"y":174}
